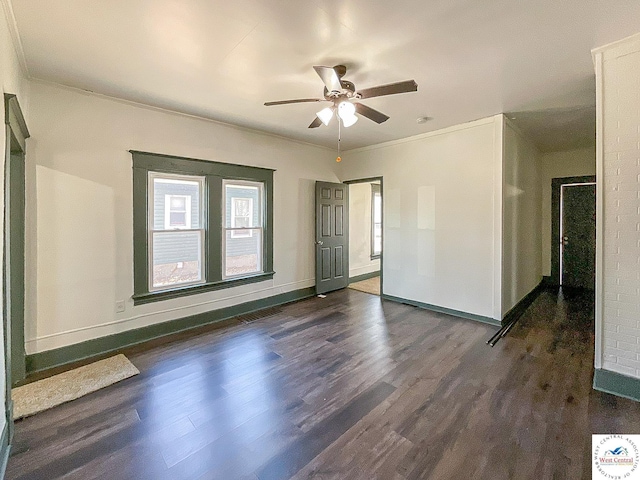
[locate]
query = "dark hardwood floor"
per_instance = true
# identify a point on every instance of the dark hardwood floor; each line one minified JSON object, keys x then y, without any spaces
{"x":346,"y":387}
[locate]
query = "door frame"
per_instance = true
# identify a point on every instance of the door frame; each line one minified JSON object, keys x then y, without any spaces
{"x":556,"y":187}
{"x":16,"y":133}
{"x":381,"y":180}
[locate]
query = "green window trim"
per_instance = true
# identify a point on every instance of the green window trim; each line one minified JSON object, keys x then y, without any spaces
{"x":375,"y":190}
{"x":214,"y":173}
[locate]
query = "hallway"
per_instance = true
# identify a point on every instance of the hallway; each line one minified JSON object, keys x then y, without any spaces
{"x":343,"y":387}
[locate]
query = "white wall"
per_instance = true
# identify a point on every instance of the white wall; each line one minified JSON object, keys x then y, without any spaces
{"x":572,"y":163}
{"x":521,"y":247}
{"x":14,"y":82}
{"x":618,"y":262}
{"x":442,"y":205}
{"x":360,"y":261}
{"x":84,"y":210}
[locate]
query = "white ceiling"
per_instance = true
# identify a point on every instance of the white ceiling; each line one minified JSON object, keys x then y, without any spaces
{"x":223,"y":59}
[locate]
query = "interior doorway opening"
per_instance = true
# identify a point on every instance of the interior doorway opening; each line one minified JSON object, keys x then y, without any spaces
{"x":574,"y":232}
{"x":366,"y":235}
{"x":13,"y":254}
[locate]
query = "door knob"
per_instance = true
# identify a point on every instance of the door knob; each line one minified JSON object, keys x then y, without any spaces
{"x":319,"y":242}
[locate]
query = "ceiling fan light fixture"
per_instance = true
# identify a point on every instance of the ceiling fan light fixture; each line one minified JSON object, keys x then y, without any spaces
{"x":346,"y":110}
{"x":348,"y":121}
{"x":325,"y":115}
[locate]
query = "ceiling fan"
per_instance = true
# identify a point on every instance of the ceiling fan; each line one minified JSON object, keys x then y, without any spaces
{"x":341,"y":93}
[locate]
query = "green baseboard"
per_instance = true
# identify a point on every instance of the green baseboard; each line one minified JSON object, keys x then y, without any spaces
{"x":79,"y":351}
{"x":616,"y":384}
{"x":448,"y":311}
{"x":5,"y":448}
{"x":364,"y":276}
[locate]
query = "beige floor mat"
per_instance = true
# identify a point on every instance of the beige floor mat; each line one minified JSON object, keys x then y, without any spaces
{"x":49,"y":392}
{"x":370,"y":285}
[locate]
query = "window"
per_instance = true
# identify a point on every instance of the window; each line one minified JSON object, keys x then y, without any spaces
{"x":376,"y":221}
{"x":243,"y":231}
{"x":199,"y":226}
{"x":175,"y":238}
{"x":177,"y":211}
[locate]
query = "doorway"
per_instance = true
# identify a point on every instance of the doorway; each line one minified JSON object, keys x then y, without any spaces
{"x":365,"y":235}
{"x":574,"y":232}
{"x":16,"y":134}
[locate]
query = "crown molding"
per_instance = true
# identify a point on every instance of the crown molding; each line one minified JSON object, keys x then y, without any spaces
{"x":7,"y":6}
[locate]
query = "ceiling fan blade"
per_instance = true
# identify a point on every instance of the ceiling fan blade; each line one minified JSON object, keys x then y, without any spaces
{"x":329,"y":77}
{"x":299,"y":100}
{"x":370,"y":113}
{"x":390,"y":89}
{"x":316,"y":123}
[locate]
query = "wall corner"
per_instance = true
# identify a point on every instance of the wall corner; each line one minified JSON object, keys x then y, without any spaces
{"x":498,"y":209}
{"x":599,"y":291}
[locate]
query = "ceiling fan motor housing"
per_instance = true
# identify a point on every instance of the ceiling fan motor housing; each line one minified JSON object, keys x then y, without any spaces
{"x":348,"y":91}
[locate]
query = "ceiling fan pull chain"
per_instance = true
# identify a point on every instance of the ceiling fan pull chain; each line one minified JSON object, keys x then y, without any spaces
{"x":338,"y":159}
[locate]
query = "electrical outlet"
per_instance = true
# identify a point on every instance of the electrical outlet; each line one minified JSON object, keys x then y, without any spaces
{"x":120,"y":306}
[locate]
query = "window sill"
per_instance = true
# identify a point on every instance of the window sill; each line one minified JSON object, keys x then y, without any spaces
{"x":150,"y":297}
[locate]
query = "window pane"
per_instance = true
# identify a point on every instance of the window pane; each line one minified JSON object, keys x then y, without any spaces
{"x":177,"y":258}
{"x":178,"y":204}
{"x":177,"y":219}
{"x":377,"y":238}
{"x":243,"y":254}
{"x":179,"y":196}
{"x":242,"y":222}
{"x":377,"y":208}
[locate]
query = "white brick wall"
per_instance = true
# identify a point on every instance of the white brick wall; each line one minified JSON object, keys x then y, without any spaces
{"x":620,"y":76}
